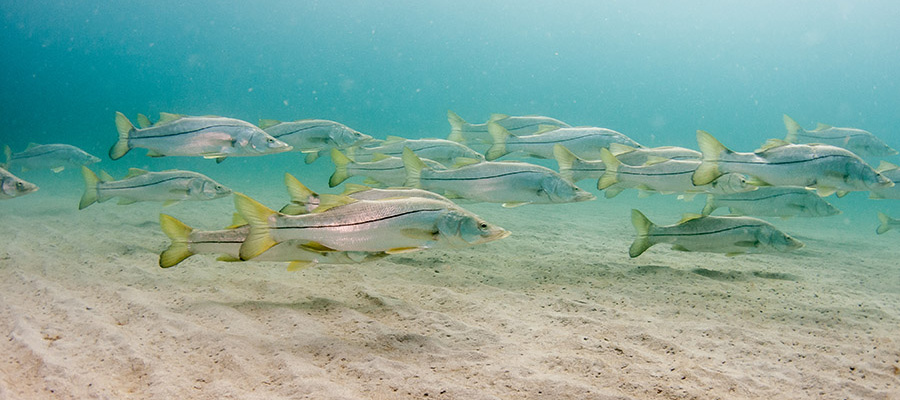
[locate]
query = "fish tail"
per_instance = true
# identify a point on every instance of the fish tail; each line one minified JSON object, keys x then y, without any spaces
{"x":643,"y":226}
{"x":91,"y":194}
{"x":565,"y":159}
{"x":340,"y":168}
{"x":456,"y":125}
{"x":257,"y":215}
{"x":179,"y":233}
{"x":414,"y":167}
{"x":710,"y":205}
{"x":500,"y":135}
{"x":885,"y":223}
{"x":712,"y":149}
{"x":300,"y":196}
{"x":124,"y":126}
{"x":610,"y":177}
{"x":793,"y":129}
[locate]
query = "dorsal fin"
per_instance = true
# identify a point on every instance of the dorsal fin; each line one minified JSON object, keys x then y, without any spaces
{"x":133,"y":172}
{"x":165,"y":117}
{"x":31,"y":146}
{"x":885,"y":166}
{"x":821,"y":127}
{"x":618,"y":149}
{"x":497,"y":117}
{"x":380,"y":157}
{"x":689,"y":217}
{"x":143,"y":121}
{"x":105,"y":176}
{"x":771,"y":144}
{"x":329,"y":201}
{"x":268,"y":123}
{"x":394,"y":139}
{"x":351,"y":188}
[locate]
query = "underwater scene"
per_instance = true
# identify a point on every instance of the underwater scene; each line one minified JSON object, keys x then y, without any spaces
{"x":450,"y":200}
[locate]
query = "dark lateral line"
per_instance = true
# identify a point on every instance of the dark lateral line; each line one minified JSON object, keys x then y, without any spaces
{"x":785,"y":162}
{"x":144,"y":185}
{"x":481,"y":177}
{"x":184,"y":133}
{"x":706,"y":233}
{"x":298,"y":130}
{"x":356,"y":223}
{"x":554,"y":141}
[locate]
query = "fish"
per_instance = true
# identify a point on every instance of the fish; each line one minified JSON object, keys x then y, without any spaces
{"x":640,"y":155}
{"x":382,"y":170}
{"x":314,"y":136}
{"x":827,"y":168}
{"x":463,"y":132}
{"x":339,"y":223}
{"x":181,"y":135}
{"x":443,"y":151}
{"x":663,"y":175}
{"x":139,"y":185}
{"x":712,"y":234}
{"x":585,"y":142}
{"x":858,"y":141}
{"x":55,"y":157}
{"x":892,"y":172}
{"x":304,"y":200}
{"x":771,"y":201}
{"x":187,"y":241}
{"x":574,"y":168}
{"x":887,"y":223}
{"x":510,"y":183}
{"x":13,"y":186}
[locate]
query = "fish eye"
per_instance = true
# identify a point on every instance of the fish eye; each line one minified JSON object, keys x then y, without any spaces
{"x":483,"y":225}
{"x":270,"y":140}
{"x":20,"y":186}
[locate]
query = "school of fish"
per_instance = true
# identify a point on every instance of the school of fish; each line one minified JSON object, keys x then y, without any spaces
{"x":415,"y":186}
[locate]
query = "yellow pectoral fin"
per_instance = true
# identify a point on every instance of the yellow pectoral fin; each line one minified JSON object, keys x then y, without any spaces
{"x":298,"y":265}
{"x":401,"y":250}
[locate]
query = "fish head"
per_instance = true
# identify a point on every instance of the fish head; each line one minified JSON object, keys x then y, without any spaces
{"x":873,"y":147}
{"x":732,"y":183}
{"x":823,"y":208}
{"x":556,"y":189}
{"x":344,"y":137}
{"x":262,"y":143}
{"x":86,"y":159}
{"x":779,"y":240}
{"x":463,"y":229}
{"x":13,"y":187}
{"x":207,"y":189}
{"x":870,"y":179}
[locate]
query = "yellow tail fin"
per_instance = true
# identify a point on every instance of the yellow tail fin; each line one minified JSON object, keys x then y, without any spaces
{"x":414,"y":167}
{"x":340,"y":168}
{"x":885,"y":223}
{"x":565,"y":159}
{"x":124,"y":126}
{"x":712,"y":149}
{"x":179,"y":234}
{"x":456,"y":126}
{"x":611,"y":176}
{"x":500,"y":135}
{"x":91,"y":194}
{"x":793,"y":129}
{"x":301,"y":196}
{"x":259,"y":239}
{"x":643,"y":226}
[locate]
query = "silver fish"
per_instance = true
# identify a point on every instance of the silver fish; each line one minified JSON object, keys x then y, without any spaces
{"x":641,"y":155}
{"x":664,"y":176}
{"x":304,"y":200}
{"x":891,"y":172}
{"x":209,"y":137}
{"x":443,"y":151}
{"x":139,"y":185}
{"x":13,"y":186}
{"x":887,"y":223}
{"x":55,"y":157}
{"x":729,"y":235}
{"x":770,"y":201}
{"x":778,"y":163}
{"x":575,"y":168}
{"x":585,"y":142}
{"x":858,"y":141}
{"x":510,"y":183}
{"x":187,"y":241}
{"x":382,"y":170}
{"x":314,"y":136}
{"x":463,"y":132}
{"x":390,"y":225}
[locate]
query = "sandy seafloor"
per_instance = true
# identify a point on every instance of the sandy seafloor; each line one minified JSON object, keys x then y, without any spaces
{"x":557,"y":310}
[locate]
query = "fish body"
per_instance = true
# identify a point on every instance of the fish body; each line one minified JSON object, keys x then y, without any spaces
{"x":304,"y":200}
{"x":585,"y":142}
{"x":827,"y":168}
{"x":443,"y":151}
{"x":463,"y":132}
{"x":887,"y":223}
{"x":729,"y":235}
{"x":665,"y":176}
{"x":54,"y":157}
{"x":13,"y":186}
{"x":390,"y":225}
{"x":891,"y":172}
{"x":314,"y":136}
{"x":140,"y":185}
{"x":772,"y":202}
{"x":510,"y":183}
{"x":209,"y":137}
{"x":186,"y":241}
{"x":858,"y":141}
{"x":385,"y":170}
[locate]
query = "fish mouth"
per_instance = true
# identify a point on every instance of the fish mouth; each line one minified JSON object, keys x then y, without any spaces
{"x":502,"y":234}
{"x":585,"y":196}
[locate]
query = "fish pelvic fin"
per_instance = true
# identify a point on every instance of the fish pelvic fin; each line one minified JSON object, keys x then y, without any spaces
{"x":499,"y":135}
{"x":259,"y":239}
{"x":885,"y":223}
{"x":340,"y":168}
{"x":414,"y":166}
{"x":643,"y":226}
{"x":708,"y":170}
{"x":124,"y":126}
{"x":179,"y":233}
{"x":710,"y":205}
{"x":456,"y":126}
{"x":91,"y":194}
{"x":793,"y":129}
{"x":565,"y":158}
{"x":610,"y":176}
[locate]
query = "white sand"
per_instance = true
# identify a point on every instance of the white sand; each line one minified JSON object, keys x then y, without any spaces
{"x":557,"y":310}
